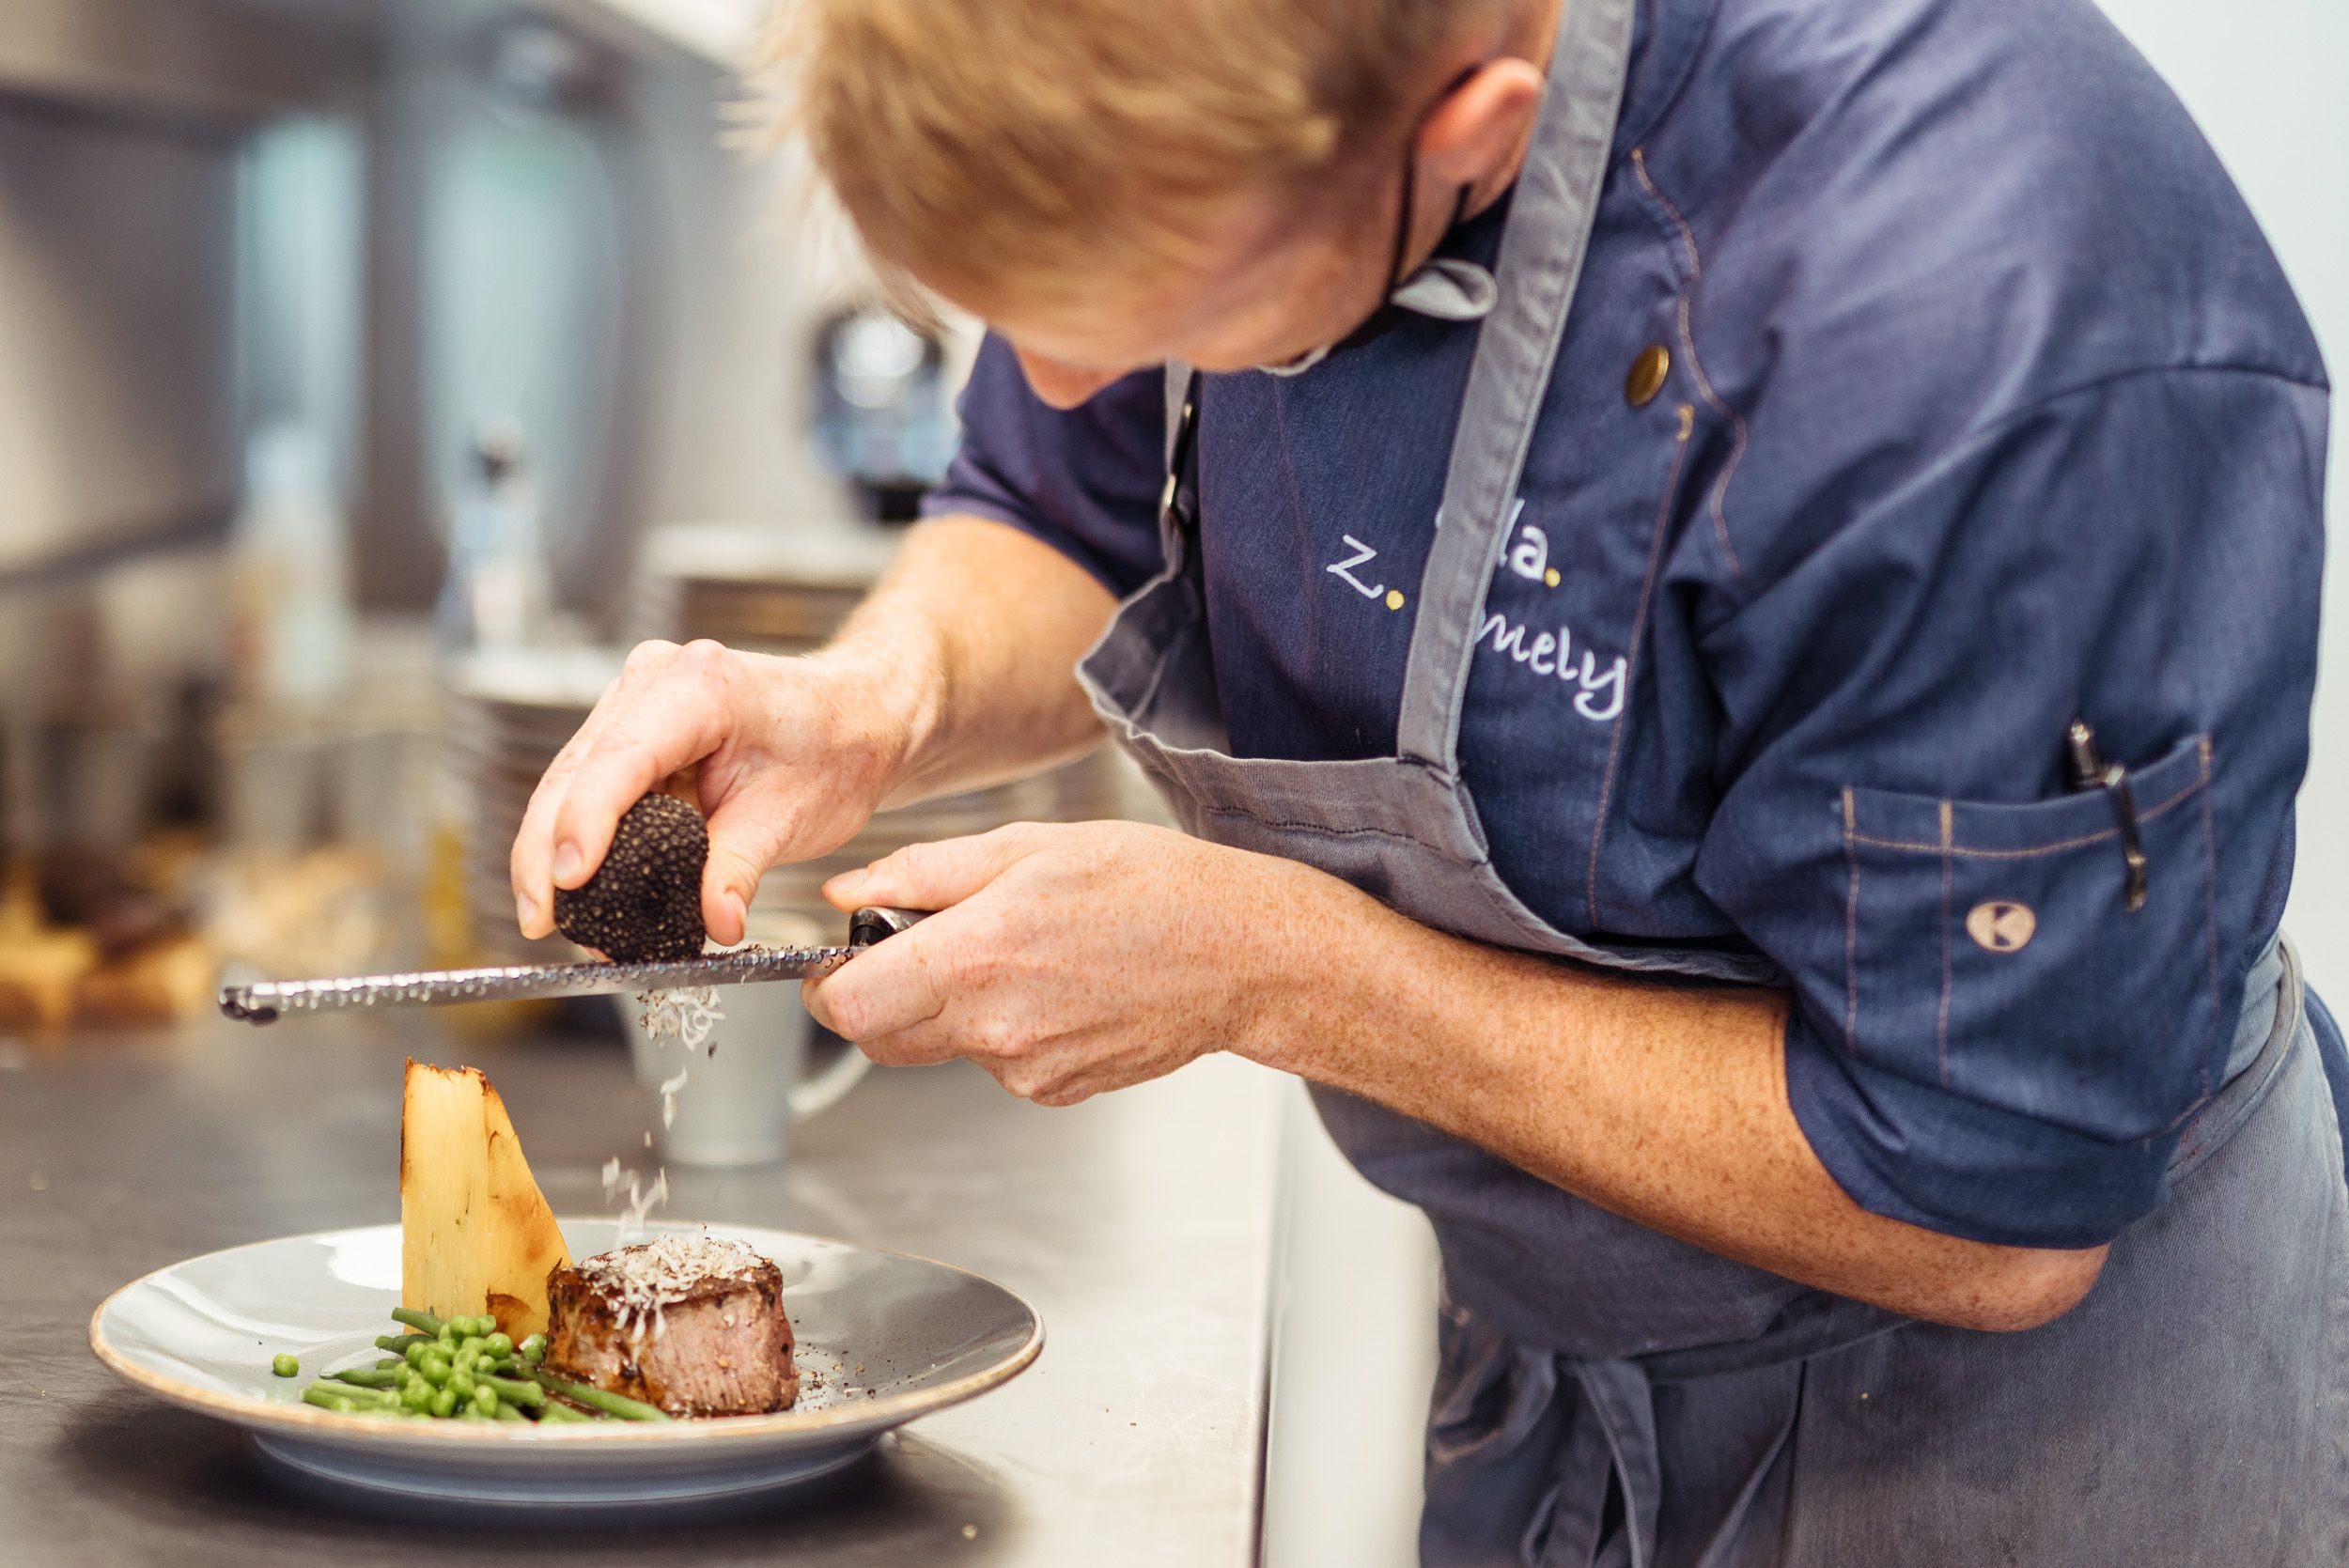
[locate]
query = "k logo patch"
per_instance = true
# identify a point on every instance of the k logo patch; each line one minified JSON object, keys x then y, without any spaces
{"x":2002,"y":926}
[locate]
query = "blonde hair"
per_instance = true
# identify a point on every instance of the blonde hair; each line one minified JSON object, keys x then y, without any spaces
{"x":1057,"y":142}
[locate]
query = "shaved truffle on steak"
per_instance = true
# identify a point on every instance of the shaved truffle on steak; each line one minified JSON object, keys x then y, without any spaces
{"x":691,"y":1323}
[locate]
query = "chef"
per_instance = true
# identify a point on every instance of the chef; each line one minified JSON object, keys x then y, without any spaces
{"x":1725,"y":592}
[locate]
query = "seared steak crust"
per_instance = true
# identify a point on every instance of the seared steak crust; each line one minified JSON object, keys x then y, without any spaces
{"x":711,"y":1342}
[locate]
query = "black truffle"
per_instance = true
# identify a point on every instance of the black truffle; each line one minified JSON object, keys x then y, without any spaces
{"x":643,"y":904}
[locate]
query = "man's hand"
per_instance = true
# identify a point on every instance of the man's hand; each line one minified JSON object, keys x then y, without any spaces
{"x":955,"y":674}
{"x":792,"y":756}
{"x":1067,"y":960}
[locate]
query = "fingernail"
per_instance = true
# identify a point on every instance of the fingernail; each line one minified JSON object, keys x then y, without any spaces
{"x":525,"y":910}
{"x":848,"y":882}
{"x":566,"y":864}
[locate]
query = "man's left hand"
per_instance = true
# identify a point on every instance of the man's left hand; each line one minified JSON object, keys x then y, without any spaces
{"x":1065,"y":959}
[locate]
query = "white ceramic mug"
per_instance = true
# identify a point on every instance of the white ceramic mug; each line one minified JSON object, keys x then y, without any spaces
{"x":740,"y":1101}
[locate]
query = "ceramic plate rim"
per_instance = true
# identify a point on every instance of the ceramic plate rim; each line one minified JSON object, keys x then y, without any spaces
{"x":263,"y":1415}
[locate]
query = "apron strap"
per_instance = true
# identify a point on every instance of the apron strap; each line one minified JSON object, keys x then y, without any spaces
{"x":1541,"y":262}
{"x":1619,"y":1396}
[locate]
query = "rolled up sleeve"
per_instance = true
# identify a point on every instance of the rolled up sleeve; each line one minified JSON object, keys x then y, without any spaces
{"x":1986,"y":1039}
{"x":1083,"y":480}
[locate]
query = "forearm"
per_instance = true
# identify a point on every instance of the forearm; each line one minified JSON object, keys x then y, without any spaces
{"x":979,"y":627}
{"x":1666,"y":1104}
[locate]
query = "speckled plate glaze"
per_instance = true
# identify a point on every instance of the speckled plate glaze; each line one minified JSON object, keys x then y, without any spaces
{"x":883,"y":1339}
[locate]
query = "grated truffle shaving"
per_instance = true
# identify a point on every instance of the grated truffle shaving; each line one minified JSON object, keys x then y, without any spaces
{"x":644,"y":1279}
{"x":641,"y":1199}
{"x":688,"y":1017}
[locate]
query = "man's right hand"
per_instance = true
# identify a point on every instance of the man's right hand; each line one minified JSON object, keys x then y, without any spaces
{"x":792,"y":756}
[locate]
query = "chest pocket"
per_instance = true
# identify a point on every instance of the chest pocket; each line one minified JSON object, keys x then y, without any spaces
{"x":1991,"y":949}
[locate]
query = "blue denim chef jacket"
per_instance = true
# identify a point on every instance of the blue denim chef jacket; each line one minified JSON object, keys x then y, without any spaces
{"x":1987,"y":409}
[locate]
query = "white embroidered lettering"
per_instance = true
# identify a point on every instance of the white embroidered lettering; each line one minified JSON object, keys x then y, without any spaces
{"x":1593,"y":682}
{"x":1598,"y":690}
{"x":1343,"y":571}
{"x":1530,"y":556}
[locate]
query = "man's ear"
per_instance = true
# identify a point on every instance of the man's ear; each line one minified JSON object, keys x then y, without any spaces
{"x":1474,"y":136}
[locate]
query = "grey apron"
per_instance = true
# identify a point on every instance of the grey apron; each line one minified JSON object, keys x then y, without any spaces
{"x":1609,"y":1395}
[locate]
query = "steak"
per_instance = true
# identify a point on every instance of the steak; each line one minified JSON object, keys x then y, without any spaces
{"x":691,"y":1323}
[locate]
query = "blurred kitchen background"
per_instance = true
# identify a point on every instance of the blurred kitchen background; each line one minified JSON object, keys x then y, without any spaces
{"x":372,"y":372}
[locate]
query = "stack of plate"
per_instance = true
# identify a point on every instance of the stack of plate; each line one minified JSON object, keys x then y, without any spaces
{"x":752,"y":587}
{"x":508,"y":712}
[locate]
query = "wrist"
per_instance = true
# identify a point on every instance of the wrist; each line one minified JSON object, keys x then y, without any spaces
{"x":889,"y":708}
{"x":1300,"y":983}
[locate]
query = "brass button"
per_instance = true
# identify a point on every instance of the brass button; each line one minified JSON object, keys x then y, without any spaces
{"x":1647,"y":375}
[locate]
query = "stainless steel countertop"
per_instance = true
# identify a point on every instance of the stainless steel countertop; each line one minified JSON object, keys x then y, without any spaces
{"x":1141,"y":1225}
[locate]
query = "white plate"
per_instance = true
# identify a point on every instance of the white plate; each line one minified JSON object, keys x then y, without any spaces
{"x":919,"y":1335}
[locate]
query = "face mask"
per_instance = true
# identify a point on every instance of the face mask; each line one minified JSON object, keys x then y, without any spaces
{"x":1442,"y":287}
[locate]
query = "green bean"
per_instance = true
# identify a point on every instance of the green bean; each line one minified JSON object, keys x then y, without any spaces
{"x":332,"y":1396}
{"x":422,"y":1323}
{"x":358,"y":1395}
{"x":361,"y":1379}
{"x":611,"y":1405}
{"x":389,"y":1363}
{"x":517,"y":1391}
{"x":485,"y":1401}
{"x":555,"y":1410}
{"x":508,"y":1413}
{"x":403,"y":1344}
{"x":283,"y":1365}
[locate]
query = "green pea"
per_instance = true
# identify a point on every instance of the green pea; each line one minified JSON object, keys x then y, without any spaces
{"x":416,"y":1396}
{"x":436,"y":1370}
{"x":498,"y":1345}
{"x":285,"y":1365}
{"x":461,"y":1384}
{"x":535,"y":1349}
{"x":484,"y":1401}
{"x":416,"y":1351}
{"x":443,"y":1403}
